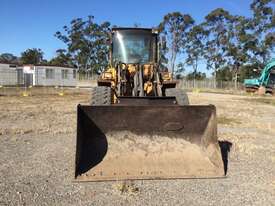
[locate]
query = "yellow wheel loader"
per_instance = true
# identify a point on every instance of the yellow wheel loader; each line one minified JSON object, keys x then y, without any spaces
{"x":139,"y":125}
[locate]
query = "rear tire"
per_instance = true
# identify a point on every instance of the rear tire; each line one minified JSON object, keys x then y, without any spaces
{"x":101,"y":96}
{"x":180,"y":94}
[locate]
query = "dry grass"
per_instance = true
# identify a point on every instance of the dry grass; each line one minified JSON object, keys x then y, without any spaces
{"x":126,"y":188}
{"x":217,"y":91}
{"x":40,"y":91}
{"x":227,"y":120}
{"x":265,"y":100}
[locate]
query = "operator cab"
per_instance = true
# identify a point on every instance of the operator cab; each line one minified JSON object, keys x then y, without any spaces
{"x":134,"y":46}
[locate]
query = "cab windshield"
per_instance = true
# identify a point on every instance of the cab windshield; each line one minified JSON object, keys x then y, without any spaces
{"x":133,"y":46}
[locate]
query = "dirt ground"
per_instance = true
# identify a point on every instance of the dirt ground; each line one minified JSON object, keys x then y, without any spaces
{"x":37,"y":148}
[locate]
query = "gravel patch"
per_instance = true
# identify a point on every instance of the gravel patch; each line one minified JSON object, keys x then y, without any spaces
{"x":37,"y":145}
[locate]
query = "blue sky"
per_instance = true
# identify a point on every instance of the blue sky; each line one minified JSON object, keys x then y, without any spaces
{"x":32,"y":23}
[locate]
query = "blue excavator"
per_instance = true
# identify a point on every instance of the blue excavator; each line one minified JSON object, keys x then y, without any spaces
{"x":265,"y":84}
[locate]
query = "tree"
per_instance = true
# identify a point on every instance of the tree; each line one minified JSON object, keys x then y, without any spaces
{"x":224,"y":74}
{"x":195,"y":47}
{"x":62,"y":58}
{"x":32,"y":56}
{"x":237,"y":53}
{"x":262,"y":26}
{"x":248,"y":71}
{"x":181,"y":67}
{"x":163,"y":49}
{"x":250,"y":40}
{"x":9,"y":58}
{"x":87,"y":43}
{"x":241,"y":43}
{"x":174,"y":28}
{"x":196,"y":76}
{"x":245,"y":72}
{"x":217,"y":25}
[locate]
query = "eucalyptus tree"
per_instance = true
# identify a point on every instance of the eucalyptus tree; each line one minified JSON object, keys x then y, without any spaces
{"x":195,"y":47}
{"x":217,"y":25}
{"x":174,"y":28}
{"x":87,"y":43}
{"x":9,"y":58}
{"x":238,"y":43}
{"x":262,"y":27}
{"x":197,"y":76}
{"x":62,"y":58}
{"x":32,"y":56}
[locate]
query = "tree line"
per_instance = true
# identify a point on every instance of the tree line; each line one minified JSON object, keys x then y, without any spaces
{"x":232,"y":47}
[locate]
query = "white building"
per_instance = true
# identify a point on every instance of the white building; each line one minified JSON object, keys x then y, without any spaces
{"x":10,"y":75}
{"x":49,"y":76}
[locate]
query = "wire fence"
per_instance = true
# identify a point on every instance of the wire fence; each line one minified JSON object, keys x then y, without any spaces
{"x":85,"y":76}
{"x":14,"y":82}
{"x":210,"y":84}
{"x":43,"y":77}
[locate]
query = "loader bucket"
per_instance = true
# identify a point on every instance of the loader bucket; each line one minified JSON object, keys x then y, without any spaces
{"x":147,"y":142}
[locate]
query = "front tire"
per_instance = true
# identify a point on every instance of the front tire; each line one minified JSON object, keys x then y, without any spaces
{"x":180,"y":94}
{"x":101,"y":96}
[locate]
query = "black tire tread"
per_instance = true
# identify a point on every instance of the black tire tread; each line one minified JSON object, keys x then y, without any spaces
{"x":180,"y":94}
{"x":101,"y":96}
